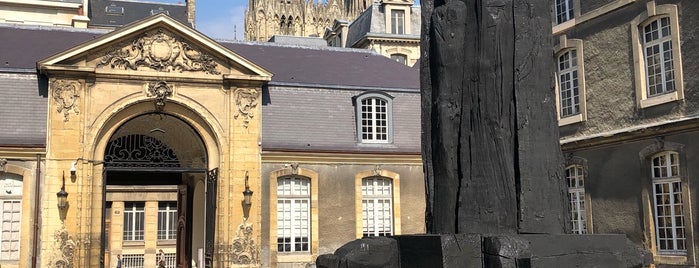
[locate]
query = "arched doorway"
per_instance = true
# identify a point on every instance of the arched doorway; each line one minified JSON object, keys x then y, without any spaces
{"x":155,"y":173}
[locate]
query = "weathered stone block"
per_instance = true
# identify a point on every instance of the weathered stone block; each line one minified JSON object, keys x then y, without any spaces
{"x":374,"y":252}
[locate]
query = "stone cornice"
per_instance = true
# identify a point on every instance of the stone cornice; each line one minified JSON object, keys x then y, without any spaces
{"x":340,"y":158}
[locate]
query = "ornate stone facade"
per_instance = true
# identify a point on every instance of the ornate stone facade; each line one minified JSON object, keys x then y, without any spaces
{"x":263,"y":19}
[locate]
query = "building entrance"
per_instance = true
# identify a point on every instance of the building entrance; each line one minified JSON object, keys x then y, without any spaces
{"x":156,"y":209}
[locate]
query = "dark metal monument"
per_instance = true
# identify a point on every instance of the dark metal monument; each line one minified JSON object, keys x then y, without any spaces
{"x":492,"y":160}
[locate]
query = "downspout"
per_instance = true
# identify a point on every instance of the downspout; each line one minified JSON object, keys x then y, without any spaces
{"x":37,"y":198}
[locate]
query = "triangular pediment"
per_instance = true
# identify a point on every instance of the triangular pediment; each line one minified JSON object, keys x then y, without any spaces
{"x":157,"y":45}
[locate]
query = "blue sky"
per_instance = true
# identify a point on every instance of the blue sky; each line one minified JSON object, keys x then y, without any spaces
{"x":216,"y":18}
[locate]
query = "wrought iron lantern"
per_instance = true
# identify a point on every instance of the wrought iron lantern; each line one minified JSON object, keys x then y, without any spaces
{"x":247,"y":194}
{"x":62,"y":195}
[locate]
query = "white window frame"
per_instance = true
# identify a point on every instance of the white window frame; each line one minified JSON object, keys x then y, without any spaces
{"x":133,"y":260}
{"x":369,"y":128}
{"x":167,"y":211}
{"x":293,"y":214}
{"x":398,"y":21}
{"x":566,"y":46}
{"x":575,"y":181}
{"x":377,"y":206}
{"x":136,"y":211}
{"x":11,"y":214}
{"x":654,"y":13}
{"x":665,"y":172}
{"x":564,"y":10}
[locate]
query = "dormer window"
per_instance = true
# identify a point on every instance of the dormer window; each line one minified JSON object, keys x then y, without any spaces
{"x":374,"y":118}
{"x":397,"y":21}
{"x":114,"y":10}
{"x":158,"y":11}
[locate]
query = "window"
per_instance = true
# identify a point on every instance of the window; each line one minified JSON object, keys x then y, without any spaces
{"x":667,"y":204}
{"x":570,"y":81}
{"x":293,"y":214}
{"x":377,"y":207}
{"x":133,"y":221}
{"x":564,"y":10}
{"x":402,"y":58}
{"x":377,"y":203}
{"x":114,"y":10}
{"x":167,"y":220}
{"x":158,"y":11}
{"x":656,"y":49}
{"x":11,"y":215}
{"x":397,"y":21}
{"x":132,"y":260}
{"x":374,"y":118}
{"x":576,"y":198}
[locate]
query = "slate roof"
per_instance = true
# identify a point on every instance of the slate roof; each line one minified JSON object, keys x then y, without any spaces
{"x":313,"y":71}
{"x":132,"y":11}
{"x":372,"y":22}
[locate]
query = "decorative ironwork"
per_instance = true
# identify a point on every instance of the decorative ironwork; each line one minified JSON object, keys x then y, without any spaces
{"x":162,"y":51}
{"x":243,"y":250}
{"x":161,"y":90}
{"x":66,"y":94}
{"x":139,"y":151}
{"x":64,"y":248}
{"x":246,"y":101}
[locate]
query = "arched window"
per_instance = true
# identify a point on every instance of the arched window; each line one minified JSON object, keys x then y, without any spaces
{"x":377,"y":206}
{"x":374,"y":118}
{"x":575,"y":179}
{"x":11,"y":210}
{"x":293,"y":214}
{"x":667,"y":203}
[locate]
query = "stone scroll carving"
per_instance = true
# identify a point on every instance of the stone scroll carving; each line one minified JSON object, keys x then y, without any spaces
{"x":162,"y":51}
{"x":160,"y":90}
{"x":3,"y":163}
{"x":64,"y":249}
{"x":66,"y":95}
{"x":245,"y":101}
{"x":244,"y":250}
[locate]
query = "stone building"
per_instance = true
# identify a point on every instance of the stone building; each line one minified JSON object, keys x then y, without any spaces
{"x":391,"y":28}
{"x":628,"y":98}
{"x":266,"y":18}
{"x":153,"y":136}
{"x":105,"y":14}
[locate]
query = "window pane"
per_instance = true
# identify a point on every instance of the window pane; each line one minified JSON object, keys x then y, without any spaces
{"x":293,"y":214}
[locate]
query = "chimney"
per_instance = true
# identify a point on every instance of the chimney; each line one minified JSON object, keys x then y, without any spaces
{"x":190,"y":11}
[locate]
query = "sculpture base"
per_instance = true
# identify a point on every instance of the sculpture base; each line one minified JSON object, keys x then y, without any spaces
{"x":474,"y":250}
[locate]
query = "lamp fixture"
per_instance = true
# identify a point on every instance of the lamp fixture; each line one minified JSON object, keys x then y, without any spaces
{"x":72,"y":171}
{"x":62,"y":195}
{"x":247,"y":194}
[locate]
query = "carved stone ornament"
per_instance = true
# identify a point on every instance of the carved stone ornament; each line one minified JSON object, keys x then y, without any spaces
{"x":64,"y":249}
{"x":377,"y":170}
{"x":3,"y":162}
{"x":294,"y":168}
{"x":244,"y":250}
{"x":160,"y":50}
{"x":66,"y":95}
{"x":161,"y":91}
{"x":246,"y":101}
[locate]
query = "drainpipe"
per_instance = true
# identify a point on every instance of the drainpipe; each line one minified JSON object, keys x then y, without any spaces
{"x":37,"y":198}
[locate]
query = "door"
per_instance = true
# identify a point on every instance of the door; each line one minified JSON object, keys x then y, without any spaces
{"x":184,"y":226}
